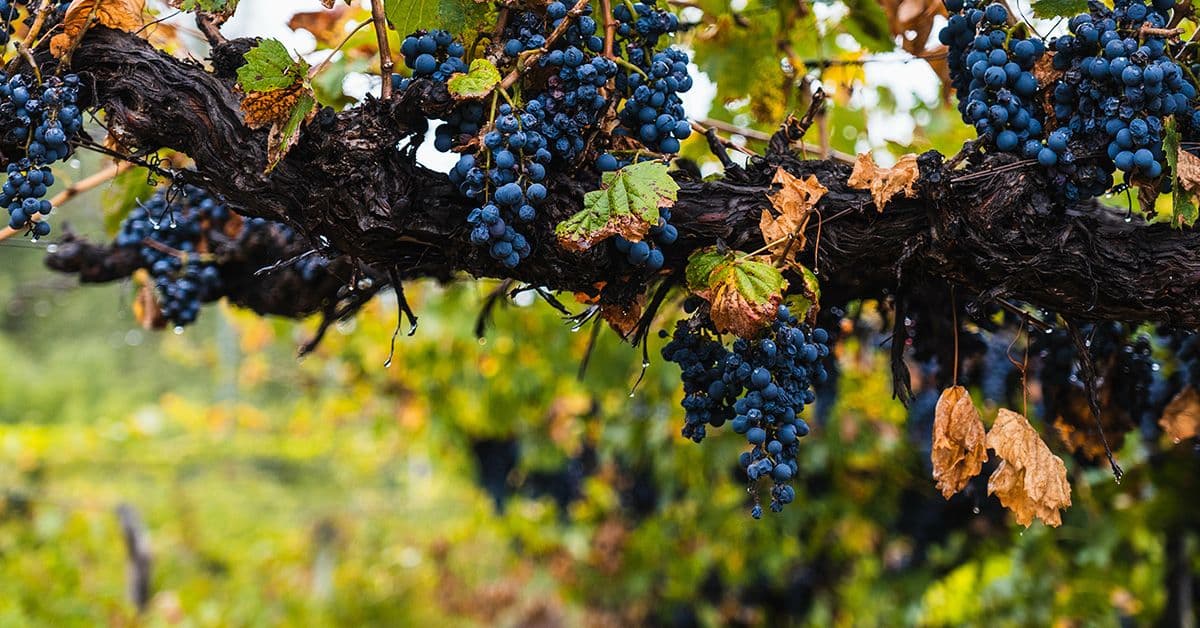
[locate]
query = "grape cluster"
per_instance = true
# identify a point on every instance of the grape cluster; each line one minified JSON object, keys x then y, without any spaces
{"x":992,"y":73}
{"x":45,"y":118}
{"x":653,"y":110}
{"x":1118,"y":85}
{"x":556,"y":111}
{"x":643,"y":254}
{"x":516,"y":180}
{"x":431,"y":55}
{"x":184,"y":278}
{"x":761,"y":387}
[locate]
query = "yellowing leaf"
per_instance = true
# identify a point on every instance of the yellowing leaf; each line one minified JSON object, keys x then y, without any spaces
{"x":744,"y":292}
{"x":959,"y":441}
{"x":146,"y":310}
{"x":1031,"y":481}
{"x":1181,"y":418}
{"x":885,"y":183}
{"x":122,"y":15}
{"x":476,"y":83}
{"x":626,"y":205}
{"x":794,"y":202}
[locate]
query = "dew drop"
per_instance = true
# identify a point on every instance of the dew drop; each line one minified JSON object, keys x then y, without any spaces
{"x":482,"y":341}
{"x":178,"y":330}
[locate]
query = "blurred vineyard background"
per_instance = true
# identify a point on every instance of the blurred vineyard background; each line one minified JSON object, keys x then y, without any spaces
{"x":484,"y":483}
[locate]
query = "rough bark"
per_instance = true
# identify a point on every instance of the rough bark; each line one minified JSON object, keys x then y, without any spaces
{"x":346,"y":183}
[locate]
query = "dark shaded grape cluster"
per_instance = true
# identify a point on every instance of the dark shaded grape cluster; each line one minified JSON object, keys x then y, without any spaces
{"x":992,"y":73}
{"x":644,"y":254}
{"x":761,"y":387}
{"x":1118,"y":85}
{"x":45,"y":118}
{"x":551,"y":119}
{"x":167,"y":232}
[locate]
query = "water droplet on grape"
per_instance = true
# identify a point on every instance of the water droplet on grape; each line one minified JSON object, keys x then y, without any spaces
{"x":482,"y":341}
{"x":178,"y":330}
{"x":975,"y":510}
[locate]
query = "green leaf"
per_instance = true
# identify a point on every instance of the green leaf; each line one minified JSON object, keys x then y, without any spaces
{"x":806,"y":304}
{"x":1048,"y":9}
{"x":627,"y":205}
{"x":1184,"y":210}
{"x":477,"y":82}
{"x":220,"y":7}
{"x":284,"y":137}
{"x":461,"y":16}
{"x":757,"y":282}
{"x":269,"y":67}
{"x":701,"y":265}
{"x":407,"y":16}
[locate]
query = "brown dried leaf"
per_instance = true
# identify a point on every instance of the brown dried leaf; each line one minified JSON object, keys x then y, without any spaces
{"x":622,"y":318}
{"x":268,"y":108}
{"x":794,"y":201}
{"x":122,"y":15}
{"x":885,"y":183}
{"x":1031,"y":481}
{"x":1181,"y":418}
{"x":1189,"y":171}
{"x":959,"y":441}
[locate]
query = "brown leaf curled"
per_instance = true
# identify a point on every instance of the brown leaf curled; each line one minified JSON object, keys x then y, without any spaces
{"x":1031,"y":481}
{"x":885,"y":183}
{"x":959,"y":441}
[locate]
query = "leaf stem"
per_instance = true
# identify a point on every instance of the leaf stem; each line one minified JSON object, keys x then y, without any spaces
{"x":317,"y":69}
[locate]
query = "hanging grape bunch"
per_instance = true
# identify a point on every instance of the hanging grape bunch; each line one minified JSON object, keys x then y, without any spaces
{"x":44,"y":118}
{"x":549,"y":118}
{"x":761,"y":387}
{"x":1117,"y":87}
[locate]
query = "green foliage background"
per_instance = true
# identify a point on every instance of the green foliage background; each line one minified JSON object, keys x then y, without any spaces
{"x":334,"y":491}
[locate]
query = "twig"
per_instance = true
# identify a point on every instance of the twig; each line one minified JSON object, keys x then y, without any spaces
{"x":1088,"y":366}
{"x":329,"y":59}
{"x":575,"y":12}
{"x":610,"y":28}
{"x":211,"y":29}
{"x":760,"y":136}
{"x":1150,"y":31}
{"x":385,"y":51}
{"x":715,"y":144}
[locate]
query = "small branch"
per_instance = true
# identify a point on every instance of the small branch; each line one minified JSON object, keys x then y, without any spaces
{"x":610,"y":28}
{"x":760,"y":136}
{"x":385,"y":50}
{"x":1150,"y":31}
{"x":137,"y":551}
{"x":1088,"y":368}
{"x":329,"y":59}
{"x":211,"y":28}
{"x":575,"y":12}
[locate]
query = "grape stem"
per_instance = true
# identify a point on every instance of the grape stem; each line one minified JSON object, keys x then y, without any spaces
{"x":610,"y":28}
{"x":629,"y":66}
{"x":385,"y":52}
{"x":575,"y":12}
{"x":1150,"y":31}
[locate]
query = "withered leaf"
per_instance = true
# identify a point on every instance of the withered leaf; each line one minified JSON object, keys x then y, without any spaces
{"x":885,"y":183}
{"x":794,"y":202}
{"x":959,"y":441}
{"x":1031,"y":481}
{"x":1181,"y":418}
{"x":122,"y":15}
